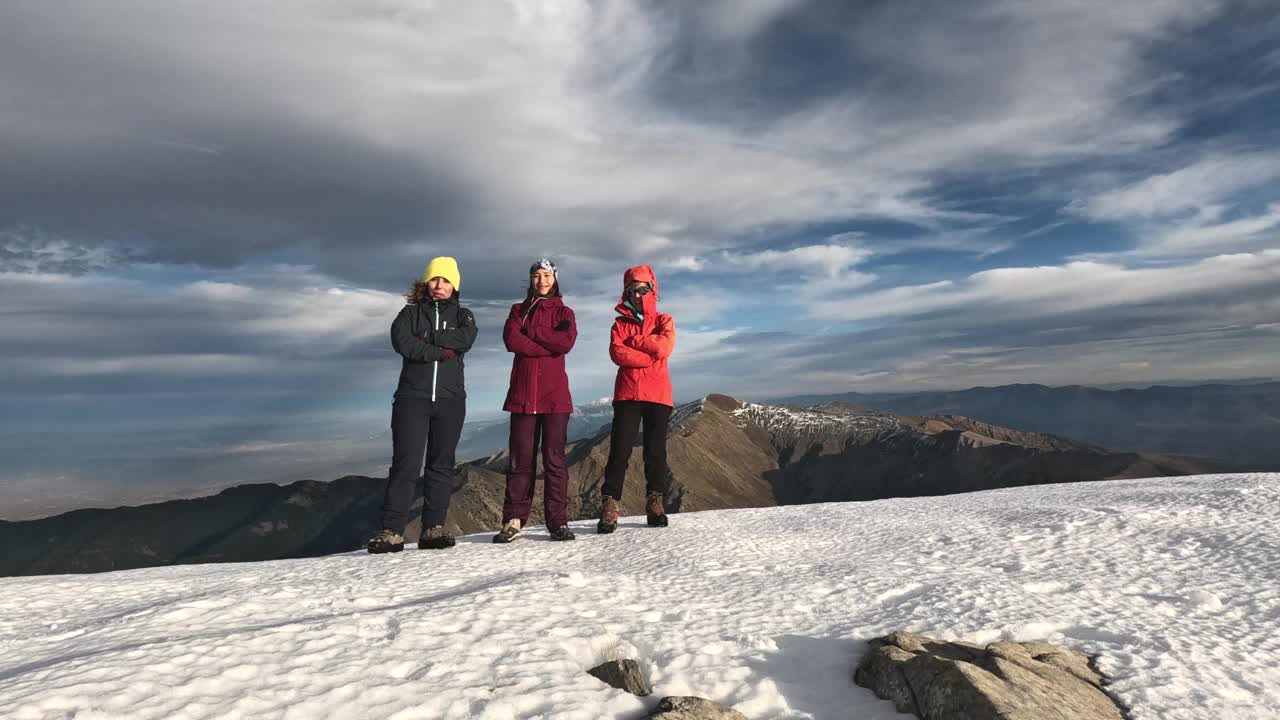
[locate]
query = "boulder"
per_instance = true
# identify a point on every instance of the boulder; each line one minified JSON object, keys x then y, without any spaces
{"x":693,"y":708}
{"x":1002,"y":681}
{"x":624,"y":675}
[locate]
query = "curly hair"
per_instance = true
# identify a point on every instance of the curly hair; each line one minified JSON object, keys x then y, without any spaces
{"x":420,"y":293}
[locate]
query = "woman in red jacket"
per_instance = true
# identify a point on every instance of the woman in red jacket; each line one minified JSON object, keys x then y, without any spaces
{"x":540,"y":331}
{"x":639,"y":345}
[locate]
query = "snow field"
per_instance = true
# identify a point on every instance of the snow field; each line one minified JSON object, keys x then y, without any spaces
{"x":1174,"y":583}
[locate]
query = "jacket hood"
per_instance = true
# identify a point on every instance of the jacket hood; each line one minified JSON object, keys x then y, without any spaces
{"x":641,"y":273}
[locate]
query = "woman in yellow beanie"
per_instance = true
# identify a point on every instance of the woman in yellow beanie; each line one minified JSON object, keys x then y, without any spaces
{"x":432,"y":334}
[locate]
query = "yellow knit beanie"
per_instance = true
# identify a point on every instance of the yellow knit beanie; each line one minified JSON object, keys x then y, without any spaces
{"x":445,"y":267}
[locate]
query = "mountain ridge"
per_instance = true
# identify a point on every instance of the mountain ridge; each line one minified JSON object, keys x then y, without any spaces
{"x":722,"y":452}
{"x":1229,"y":423}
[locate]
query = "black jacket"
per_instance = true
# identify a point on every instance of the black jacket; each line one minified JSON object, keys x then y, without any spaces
{"x":426,"y":373}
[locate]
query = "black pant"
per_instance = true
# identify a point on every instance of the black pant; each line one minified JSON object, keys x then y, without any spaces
{"x":419,"y":426}
{"x":627,"y":418}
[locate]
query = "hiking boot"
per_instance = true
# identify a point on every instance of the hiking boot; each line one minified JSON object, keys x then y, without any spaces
{"x":563,"y":533}
{"x":609,"y":512}
{"x":508,"y":532}
{"x":436,"y":538}
{"x":386,"y":542}
{"x":657,"y":515}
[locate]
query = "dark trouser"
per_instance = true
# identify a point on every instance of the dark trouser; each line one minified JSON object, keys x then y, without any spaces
{"x":526,"y":431}
{"x":417,"y":427}
{"x":628,"y":415}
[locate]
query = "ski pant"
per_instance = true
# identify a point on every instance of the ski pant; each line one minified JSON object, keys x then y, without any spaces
{"x":628,"y":416}
{"x":421,"y":426}
{"x":526,"y":432}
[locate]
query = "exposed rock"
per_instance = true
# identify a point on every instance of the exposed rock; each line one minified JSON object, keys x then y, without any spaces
{"x":1003,"y":681}
{"x":693,"y":708}
{"x":624,"y":675}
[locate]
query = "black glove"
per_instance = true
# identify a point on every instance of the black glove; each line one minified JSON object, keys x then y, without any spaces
{"x":562,"y":325}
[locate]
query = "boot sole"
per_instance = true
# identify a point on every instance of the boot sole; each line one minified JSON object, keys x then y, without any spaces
{"x":437,"y":545}
{"x":605,"y":529}
{"x":385,"y":550}
{"x":658,"y":521}
{"x":499,"y":540}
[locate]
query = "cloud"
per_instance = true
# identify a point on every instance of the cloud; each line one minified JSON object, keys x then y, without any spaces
{"x":687,"y":263}
{"x":32,"y":250}
{"x":1207,"y":206}
{"x":1046,"y":291}
{"x":1205,"y":182}
{"x":1201,"y":236}
{"x":365,"y":136}
{"x":828,"y":259}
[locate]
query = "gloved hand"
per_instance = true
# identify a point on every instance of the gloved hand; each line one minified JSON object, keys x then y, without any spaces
{"x":449,"y":354}
{"x":562,"y":325}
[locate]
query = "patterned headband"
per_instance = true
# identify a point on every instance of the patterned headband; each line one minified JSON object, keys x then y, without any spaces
{"x":544,"y":264}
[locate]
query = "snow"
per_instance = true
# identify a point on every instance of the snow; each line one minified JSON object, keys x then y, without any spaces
{"x":1174,"y":583}
{"x":790,"y":424}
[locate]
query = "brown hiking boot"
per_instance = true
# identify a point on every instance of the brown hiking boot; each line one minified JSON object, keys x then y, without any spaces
{"x":508,"y":532}
{"x":436,"y":538}
{"x":609,"y":512}
{"x":653,"y":508}
{"x":386,"y":541}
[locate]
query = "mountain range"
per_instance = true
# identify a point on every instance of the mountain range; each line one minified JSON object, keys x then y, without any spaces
{"x":723,"y":453}
{"x":1229,"y":423}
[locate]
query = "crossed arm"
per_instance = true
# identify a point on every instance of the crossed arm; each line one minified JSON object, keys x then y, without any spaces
{"x":439,"y":344}
{"x":641,"y":351}
{"x":410,"y":345}
{"x":557,"y":341}
{"x":660,"y":342}
{"x":540,"y":341}
{"x":458,"y":339}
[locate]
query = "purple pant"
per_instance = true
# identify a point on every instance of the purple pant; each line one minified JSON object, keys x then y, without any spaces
{"x":526,"y":432}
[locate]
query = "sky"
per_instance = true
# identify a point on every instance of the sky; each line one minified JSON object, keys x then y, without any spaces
{"x":208,"y":215}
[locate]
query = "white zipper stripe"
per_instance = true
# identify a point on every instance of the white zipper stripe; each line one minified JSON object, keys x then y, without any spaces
{"x":435,"y":366}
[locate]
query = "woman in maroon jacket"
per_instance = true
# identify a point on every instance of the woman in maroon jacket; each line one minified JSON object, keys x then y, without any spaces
{"x":540,"y":331}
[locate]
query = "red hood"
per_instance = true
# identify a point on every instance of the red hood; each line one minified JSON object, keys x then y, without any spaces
{"x":649,"y":303}
{"x":641,"y":273}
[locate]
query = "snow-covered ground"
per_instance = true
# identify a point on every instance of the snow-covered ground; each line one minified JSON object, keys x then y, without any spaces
{"x":1175,"y":583}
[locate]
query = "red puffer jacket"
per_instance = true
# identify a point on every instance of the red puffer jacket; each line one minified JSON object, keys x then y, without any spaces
{"x":640,"y":346}
{"x":539,"y":384}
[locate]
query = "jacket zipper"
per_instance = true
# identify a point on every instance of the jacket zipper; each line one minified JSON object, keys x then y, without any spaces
{"x":435,"y":365}
{"x":536,"y":363}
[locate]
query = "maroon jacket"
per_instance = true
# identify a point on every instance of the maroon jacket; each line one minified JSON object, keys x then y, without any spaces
{"x":539,"y":384}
